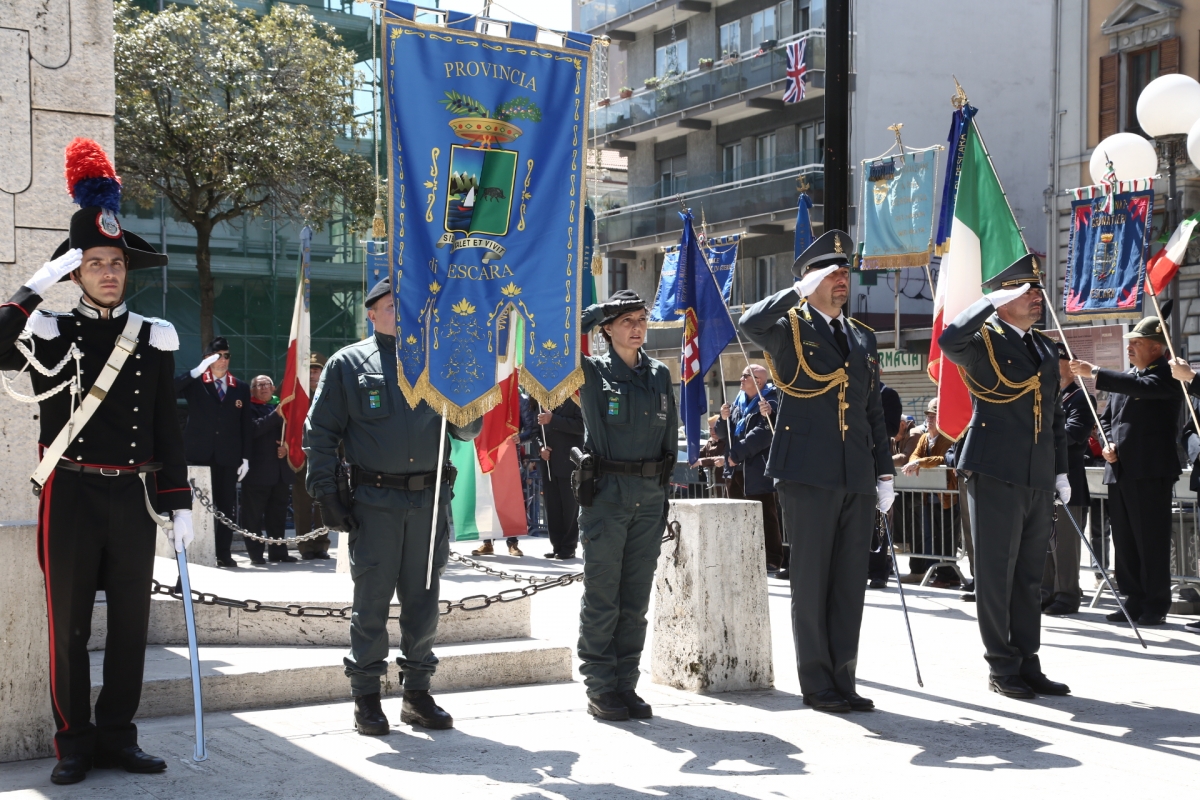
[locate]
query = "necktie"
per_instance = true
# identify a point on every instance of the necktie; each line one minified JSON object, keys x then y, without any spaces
{"x":840,"y":337}
{"x":221,"y":388}
{"x":1033,"y":351}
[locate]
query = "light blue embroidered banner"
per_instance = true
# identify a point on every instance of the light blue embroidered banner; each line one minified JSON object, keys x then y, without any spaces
{"x":898,"y":210}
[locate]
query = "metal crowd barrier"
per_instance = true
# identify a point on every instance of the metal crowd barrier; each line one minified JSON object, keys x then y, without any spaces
{"x":927,"y":523}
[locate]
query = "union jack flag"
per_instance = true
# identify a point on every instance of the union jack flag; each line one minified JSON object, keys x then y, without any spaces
{"x":793,"y":91}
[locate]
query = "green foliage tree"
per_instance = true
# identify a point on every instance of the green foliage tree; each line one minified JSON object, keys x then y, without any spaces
{"x":227,"y":114}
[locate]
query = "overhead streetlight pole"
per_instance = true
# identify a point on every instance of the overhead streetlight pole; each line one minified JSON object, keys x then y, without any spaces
{"x":836,"y":207}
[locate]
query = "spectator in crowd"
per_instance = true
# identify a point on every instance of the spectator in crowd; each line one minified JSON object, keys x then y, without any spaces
{"x":265,"y":488}
{"x":893,"y":410}
{"x":746,"y":427}
{"x":562,"y":429}
{"x":1183,"y":371}
{"x":218,"y":434}
{"x":306,"y":513}
{"x":712,"y":458}
{"x":879,"y":564}
{"x":939,"y":512}
{"x":1060,"y":582}
{"x":529,"y":447}
{"x":1101,"y":531}
{"x":905,"y":441}
{"x":1141,"y":424}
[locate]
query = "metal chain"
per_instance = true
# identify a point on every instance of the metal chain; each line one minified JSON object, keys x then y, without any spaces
{"x":233,"y":526}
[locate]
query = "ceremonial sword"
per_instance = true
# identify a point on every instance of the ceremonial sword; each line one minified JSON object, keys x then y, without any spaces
{"x":189,"y":616}
{"x":903,"y":605}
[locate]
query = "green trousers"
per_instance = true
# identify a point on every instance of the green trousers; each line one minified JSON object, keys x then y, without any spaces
{"x":389,"y":551}
{"x":621,"y":543}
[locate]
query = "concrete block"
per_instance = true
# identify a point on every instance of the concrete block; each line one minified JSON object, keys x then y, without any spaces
{"x":203,"y":549}
{"x":8,"y":238}
{"x":83,"y":83}
{"x":241,"y":678}
{"x":26,"y":724}
{"x":46,"y":203}
{"x":16,"y":136}
{"x":712,"y":630}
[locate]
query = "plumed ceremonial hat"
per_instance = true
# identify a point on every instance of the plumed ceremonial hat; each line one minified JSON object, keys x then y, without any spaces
{"x":377,"y":291}
{"x":831,"y":249}
{"x":93,"y":184}
{"x":1026,"y":269}
{"x":620,"y":303}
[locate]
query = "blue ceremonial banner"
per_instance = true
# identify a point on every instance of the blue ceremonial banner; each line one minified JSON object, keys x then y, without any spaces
{"x":957,"y":140}
{"x":803,"y":235}
{"x":898,"y":210}
{"x":486,"y":142}
{"x":722,"y":260}
{"x":668,"y":307}
{"x":1106,"y":254}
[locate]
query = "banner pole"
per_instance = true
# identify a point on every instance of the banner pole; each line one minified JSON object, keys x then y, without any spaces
{"x":1079,"y":379}
{"x":545,"y":443}
{"x":437,"y":494}
{"x":1171,"y":348}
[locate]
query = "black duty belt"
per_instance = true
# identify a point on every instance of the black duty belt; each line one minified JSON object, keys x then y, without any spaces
{"x":109,"y":472}
{"x":638,"y":469}
{"x":410,"y":482}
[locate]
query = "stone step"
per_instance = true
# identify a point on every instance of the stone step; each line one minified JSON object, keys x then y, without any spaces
{"x":242,"y":678}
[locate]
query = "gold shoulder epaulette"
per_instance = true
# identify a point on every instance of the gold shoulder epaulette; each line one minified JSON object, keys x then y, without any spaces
{"x":861,"y":324}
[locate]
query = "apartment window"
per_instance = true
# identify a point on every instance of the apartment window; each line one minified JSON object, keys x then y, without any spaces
{"x":618,"y":276}
{"x":733,"y":161}
{"x":786,"y":18}
{"x":1122,"y":78}
{"x":1140,"y":68}
{"x":812,"y":142}
{"x":763,"y":26}
{"x":670,"y":51}
{"x":764,"y":153}
{"x":672,"y":175}
{"x":764,"y":277}
{"x":730,"y":38}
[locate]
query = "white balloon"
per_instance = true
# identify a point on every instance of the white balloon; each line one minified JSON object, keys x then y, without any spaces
{"x":1169,"y":105}
{"x":1193,"y":144}
{"x":1133,"y":157}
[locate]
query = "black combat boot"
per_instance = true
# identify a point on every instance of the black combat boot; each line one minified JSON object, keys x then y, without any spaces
{"x":608,"y":706}
{"x":638,"y":708}
{"x":419,"y":709}
{"x":369,"y":719}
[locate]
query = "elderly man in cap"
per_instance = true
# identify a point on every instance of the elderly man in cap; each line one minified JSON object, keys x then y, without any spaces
{"x":392,"y":449}
{"x":219,"y":433}
{"x":1014,"y":458}
{"x":304,"y":510}
{"x":831,"y":460}
{"x":1141,"y":422}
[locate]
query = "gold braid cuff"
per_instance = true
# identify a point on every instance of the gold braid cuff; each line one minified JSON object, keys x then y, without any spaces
{"x":1015,"y":390}
{"x":838,"y":378}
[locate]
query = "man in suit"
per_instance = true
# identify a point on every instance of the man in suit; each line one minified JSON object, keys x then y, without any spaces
{"x":1060,"y":581}
{"x":265,"y":488}
{"x":563,"y":429}
{"x":1014,"y":459}
{"x":1141,"y":422}
{"x":218,"y":434}
{"x":830,"y":459}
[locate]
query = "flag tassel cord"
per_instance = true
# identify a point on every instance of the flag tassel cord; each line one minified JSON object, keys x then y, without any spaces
{"x":1187,"y":400}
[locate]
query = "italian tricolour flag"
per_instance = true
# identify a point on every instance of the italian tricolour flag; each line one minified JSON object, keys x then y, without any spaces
{"x":984,"y":240}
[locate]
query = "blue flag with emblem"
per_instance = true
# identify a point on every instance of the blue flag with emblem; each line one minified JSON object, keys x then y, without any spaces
{"x":487,"y":139}
{"x":720,"y":252}
{"x":707,"y":328}
{"x":804,"y":235}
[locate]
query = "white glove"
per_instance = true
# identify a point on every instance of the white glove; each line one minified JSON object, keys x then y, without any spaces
{"x":205,"y":364}
{"x":1063,"y":486}
{"x":811,"y":280}
{"x":1002,"y":297}
{"x":53,"y":271}
{"x":182,"y":534}
{"x":886,"y":491}
{"x":243,"y":469}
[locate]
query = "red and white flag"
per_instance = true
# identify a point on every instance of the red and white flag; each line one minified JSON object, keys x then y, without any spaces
{"x":1165,"y":263}
{"x":293,"y":394}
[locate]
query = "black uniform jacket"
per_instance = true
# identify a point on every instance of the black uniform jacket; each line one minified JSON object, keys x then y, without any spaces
{"x":564,"y":432}
{"x":1142,"y":421}
{"x":266,"y":468}
{"x":809,"y":447}
{"x":219,"y":432}
{"x":1078,"y":425}
{"x":1000,"y":439}
{"x":136,"y":422}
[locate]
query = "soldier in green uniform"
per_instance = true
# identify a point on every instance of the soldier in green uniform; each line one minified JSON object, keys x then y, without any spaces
{"x":630,"y":441}
{"x":392,"y":451}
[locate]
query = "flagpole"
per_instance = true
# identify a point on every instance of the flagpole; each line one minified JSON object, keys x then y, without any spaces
{"x":437,"y":494}
{"x":1079,"y":378}
{"x":1171,"y":348}
{"x":546,"y":443}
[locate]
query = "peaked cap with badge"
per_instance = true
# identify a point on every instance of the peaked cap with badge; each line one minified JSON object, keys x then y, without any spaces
{"x":1026,"y":269}
{"x":832,"y":248}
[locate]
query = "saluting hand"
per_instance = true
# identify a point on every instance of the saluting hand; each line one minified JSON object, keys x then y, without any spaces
{"x":1110,"y":454}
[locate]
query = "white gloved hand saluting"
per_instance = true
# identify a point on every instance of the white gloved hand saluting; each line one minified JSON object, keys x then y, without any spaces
{"x":811,"y":280}
{"x":1002,"y":297}
{"x":204,"y":365}
{"x":182,"y":534}
{"x":1063,"y":487}
{"x":53,"y":271}
{"x":885,"y":488}
{"x":243,"y":469}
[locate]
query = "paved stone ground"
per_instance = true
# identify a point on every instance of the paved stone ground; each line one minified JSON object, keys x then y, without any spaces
{"x":1132,"y":728}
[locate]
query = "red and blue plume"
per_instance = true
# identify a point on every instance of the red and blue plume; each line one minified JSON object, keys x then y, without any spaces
{"x":91,"y":179}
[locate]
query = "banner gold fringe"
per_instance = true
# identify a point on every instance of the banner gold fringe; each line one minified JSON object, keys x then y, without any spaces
{"x":423,"y":390}
{"x":1130,"y":315}
{"x":895,"y":262}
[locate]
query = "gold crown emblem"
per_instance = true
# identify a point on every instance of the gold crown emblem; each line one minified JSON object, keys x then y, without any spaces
{"x":837,"y":243}
{"x":1037,"y":270}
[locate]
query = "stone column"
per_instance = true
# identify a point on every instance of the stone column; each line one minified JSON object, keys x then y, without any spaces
{"x":712,"y":627}
{"x":203,"y":550}
{"x":26,"y":724}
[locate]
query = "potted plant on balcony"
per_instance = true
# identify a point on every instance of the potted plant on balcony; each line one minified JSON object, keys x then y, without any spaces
{"x":625,"y":92}
{"x":603,"y":101}
{"x":706,"y":63}
{"x":651,"y":83}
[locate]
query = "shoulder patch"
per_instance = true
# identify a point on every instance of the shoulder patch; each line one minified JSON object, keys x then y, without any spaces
{"x":861,"y":324}
{"x":163,"y":335}
{"x":43,"y":324}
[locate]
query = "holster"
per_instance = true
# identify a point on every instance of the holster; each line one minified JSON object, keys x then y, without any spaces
{"x":583,"y":477}
{"x":668,"y":469}
{"x":341,"y":479}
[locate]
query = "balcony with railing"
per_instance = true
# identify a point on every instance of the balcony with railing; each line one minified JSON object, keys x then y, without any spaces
{"x":700,"y":87}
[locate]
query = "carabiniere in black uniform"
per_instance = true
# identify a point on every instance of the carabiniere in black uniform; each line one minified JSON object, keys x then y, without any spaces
{"x":94,"y":530}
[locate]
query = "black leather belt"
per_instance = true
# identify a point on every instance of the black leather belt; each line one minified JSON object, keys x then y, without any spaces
{"x":638,"y":469}
{"x":411,"y":482}
{"x":110,"y":472}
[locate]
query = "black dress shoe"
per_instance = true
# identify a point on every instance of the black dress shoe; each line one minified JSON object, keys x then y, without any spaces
{"x":70,"y":769}
{"x":638,"y":708}
{"x":226,"y":562}
{"x":858,"y":702}
{"x":551,"y":555}
{"x":286,"y":560}
{"x":877,"y":584}
{"x":1010,"y":686}
{"x":1148,"y":620}
{"x":130,"y":759}
{"x":969,"y":586}
{"x":258,"y":562}
{"x":1192,"y":627}
{"x":827,"y":700}
{"x":1060,"y":609}
{"x":608,"y":706}
{"x":369,"y":719}
{"x":1119,"y":616}
{"x":419,"y":709}
{"x":308,"y":556}
{"x":784,"y":574}
{"x":1043,"y":685}
{"x":969,"y":597}
{"x":323,"y":554}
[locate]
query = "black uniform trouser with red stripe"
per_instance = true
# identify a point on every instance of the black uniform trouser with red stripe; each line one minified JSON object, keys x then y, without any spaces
{"x":94,"y":533}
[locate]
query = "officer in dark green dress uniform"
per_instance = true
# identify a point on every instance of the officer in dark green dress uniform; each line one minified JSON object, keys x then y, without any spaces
{"x":630,"y":441}
{"x":392,"y":451}
{"x":1014,"y":458}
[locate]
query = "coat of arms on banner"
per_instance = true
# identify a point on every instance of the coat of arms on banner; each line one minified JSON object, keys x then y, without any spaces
{"x":1106,"y":256}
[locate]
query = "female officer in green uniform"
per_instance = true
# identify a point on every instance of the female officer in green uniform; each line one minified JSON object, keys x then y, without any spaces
{"x":630,"y":442}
